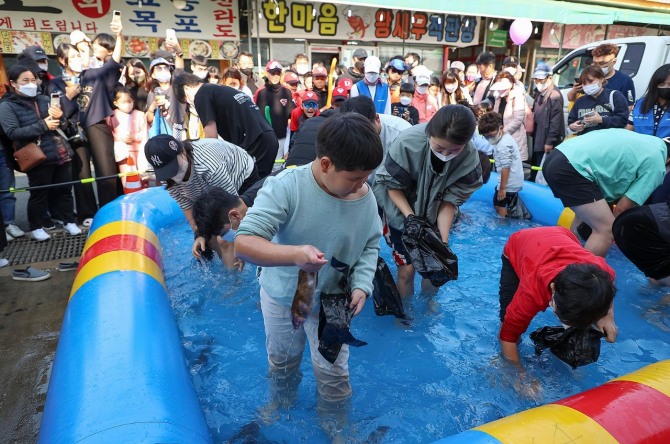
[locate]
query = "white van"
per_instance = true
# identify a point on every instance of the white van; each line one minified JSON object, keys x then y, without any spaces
{"x":638,"y":57}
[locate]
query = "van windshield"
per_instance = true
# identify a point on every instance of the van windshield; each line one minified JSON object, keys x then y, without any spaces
{"x":568,"y":70}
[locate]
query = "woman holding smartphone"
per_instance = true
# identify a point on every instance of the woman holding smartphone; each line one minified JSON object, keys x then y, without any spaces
{"x":28,"y":117}
{"x":599,"y":107}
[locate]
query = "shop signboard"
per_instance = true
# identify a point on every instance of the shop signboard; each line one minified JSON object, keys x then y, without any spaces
{"x":497,"y":38}
{"x":579,"y":35}
{"x":210,"y":28}
{"x":330,"y":21}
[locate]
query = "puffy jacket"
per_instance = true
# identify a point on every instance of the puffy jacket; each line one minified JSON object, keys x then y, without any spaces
{"x":302,"y":149}
{"x":22,"y":125}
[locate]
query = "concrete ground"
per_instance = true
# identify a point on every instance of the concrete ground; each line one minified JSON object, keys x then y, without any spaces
{"x":31,"y":314}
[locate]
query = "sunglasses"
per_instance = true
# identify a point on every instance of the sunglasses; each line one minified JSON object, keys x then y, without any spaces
{"x":310,"y":105}
{"x":396,"y":71}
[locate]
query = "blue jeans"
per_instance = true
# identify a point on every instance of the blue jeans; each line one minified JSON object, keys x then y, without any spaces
{"x":7,"y":200}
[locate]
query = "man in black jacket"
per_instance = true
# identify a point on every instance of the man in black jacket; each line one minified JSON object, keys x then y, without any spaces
{"x":356,"y":72}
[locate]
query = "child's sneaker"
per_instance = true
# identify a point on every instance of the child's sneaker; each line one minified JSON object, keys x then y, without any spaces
{"x":72,"y":229}
{"x":14,"y":231}
{"x":40,"y":235}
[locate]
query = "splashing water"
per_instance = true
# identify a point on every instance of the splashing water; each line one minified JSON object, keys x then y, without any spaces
{"x":438,"y":376}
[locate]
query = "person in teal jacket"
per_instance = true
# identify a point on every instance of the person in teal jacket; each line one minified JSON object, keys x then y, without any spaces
{"x":321,"y":217}
{"x":610,"y":166}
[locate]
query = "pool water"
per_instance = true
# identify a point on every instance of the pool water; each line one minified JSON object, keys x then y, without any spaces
{"x":438,"y":376}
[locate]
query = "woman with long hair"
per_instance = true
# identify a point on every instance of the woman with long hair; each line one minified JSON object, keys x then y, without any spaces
{"x":452,"y":89}
{"x":650,"y":114}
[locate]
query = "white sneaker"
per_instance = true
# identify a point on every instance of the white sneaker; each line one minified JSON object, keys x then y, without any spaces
{"x":14,"y":231}
{"x":8,"y":237}
{"x":40,"y":235}
{"x":3,"y":262}
{"x":72,"y":229}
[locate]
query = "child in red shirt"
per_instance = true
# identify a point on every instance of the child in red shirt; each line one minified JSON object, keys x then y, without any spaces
{"x":309,"y":108}
{"x":547,"y":266}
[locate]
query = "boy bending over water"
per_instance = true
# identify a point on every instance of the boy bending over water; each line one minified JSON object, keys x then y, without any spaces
{"x":547,"y":266}
{"x":310,"y":218}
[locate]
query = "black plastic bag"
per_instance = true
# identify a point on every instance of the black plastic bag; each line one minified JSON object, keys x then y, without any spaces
{"x":574,"y":346}
{"x":385,"y":293}
{"x":432,"y":258}
{"x":334,"y":319}
{"x":516,"y":209}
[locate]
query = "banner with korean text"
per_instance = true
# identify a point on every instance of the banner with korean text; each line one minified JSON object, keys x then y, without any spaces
{"x":295,"y":19}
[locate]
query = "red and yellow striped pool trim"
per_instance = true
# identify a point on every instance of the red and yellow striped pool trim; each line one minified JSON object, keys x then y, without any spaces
{"x":119,"y":246}
{"x":632,"y":408}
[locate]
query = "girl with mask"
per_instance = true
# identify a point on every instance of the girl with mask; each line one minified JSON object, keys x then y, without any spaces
{"x":423,"y":101}
{"x":650,"y":115}
{"x":129,"y":127}
{"x":137,"y":82}
{"x":28,"y":117}
{"x":510,"y":103}
{"x":232,"y":77}
{"x":599,"y":107}
{"x":471,"y":77}
{"x":69,"y":87}
{"x":435,"y":170}
{"x":161,"y":96}
{"x":452,"y":90}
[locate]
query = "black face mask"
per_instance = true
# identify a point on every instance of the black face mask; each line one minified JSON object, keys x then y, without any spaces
{"x":247,"y":71}
{"x":664,"y":93}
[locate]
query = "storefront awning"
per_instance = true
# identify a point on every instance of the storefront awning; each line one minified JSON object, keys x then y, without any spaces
{"x":535,"y":10}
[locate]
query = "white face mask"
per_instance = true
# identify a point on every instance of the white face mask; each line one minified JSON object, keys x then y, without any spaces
{"x":442,"y":157}
{"x":43,"y":66}
{"x":422,"y":89}
{"x":371,"y":77}
{"x":510,"y":70}
{"x":181,"y":172}
{"x":592,"y":88}
{"x":541,"y":86}
{"x":126,"y":108}
{"x":606,"y":70}
{"x":163,"y":77}
{"x":404,"y":101}
{"x":450,"y":88}
{"x":75,"y":65}
{"x":200,"y":74}
{"x":29,"y":89}
{"x":302,"y":69}
{"x":496,"y":139}
{"x":95,"y":63}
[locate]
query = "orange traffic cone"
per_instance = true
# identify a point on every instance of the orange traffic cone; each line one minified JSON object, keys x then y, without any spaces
{"x":132,"y":181}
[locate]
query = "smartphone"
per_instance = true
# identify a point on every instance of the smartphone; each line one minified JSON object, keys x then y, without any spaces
{"x":576,"y":79}
{"x":170,"y":34}
{"x":589,"y":114}
{"x":116,"y":17}
{"x":55,"y":100}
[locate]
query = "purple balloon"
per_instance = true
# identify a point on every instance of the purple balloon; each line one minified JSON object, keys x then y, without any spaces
{"x":520,"y":31}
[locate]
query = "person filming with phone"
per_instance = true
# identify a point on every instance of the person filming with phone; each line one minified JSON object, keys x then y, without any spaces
{"x":599,"y":107}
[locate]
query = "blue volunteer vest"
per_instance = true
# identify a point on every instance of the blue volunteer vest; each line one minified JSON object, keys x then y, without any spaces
{"x":644,"y":123}
{"x":381,"y":94}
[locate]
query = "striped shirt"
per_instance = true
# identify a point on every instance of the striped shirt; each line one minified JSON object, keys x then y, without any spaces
{"x":216,"y":163}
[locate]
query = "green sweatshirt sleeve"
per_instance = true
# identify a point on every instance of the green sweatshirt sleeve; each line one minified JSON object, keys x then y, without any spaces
{"x":269,"y":212}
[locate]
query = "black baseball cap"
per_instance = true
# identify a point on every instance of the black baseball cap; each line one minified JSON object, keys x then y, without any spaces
{"x":162,"y":151}
{"x":361,"y":54}
{"x":36,"y":53}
